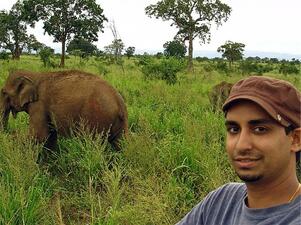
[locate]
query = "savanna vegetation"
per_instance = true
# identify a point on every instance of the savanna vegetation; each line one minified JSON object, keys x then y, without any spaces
{"x":175,"y":152}
{"x":174,"y":156}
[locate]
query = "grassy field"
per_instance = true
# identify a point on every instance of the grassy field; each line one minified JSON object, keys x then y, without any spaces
{"x":173,"y":157}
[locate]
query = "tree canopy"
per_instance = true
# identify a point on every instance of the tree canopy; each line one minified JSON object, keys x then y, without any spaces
{"x":232,"y":51}
{"x":13,"y":30}
{"x":64,"y":19}
{"x":175,"y":48}
{"x":129,"y":52}
{"x":34,"y":44}
{"x":115,"y":49}
{"x":85,"y":47}
{"x":193,"y":18}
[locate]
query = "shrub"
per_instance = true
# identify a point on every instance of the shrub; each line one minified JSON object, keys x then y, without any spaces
{"x":201,"y":59}
{"x":102,"y":69}
{"x":4,"y":55}
{"x":248,"y":66}
{"x":208,"y":67}
{"x":222,"y":66}
{"x":288,"y":68}
{"x":165,"y":69}
{"x":45,"y":55}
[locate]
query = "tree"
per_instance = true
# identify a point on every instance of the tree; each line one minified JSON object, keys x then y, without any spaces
{"x":232,"y":51}
{"x":116,"y":47}
{"x":34,"y":44}
{"x":13,"y":28}
{"x":175,"y":48}
{"x":129,"y":52}
{"x":85,"y":47}
{"x":45,"y":55}
{"x":66,"y":18}
{"x":193,"y":18}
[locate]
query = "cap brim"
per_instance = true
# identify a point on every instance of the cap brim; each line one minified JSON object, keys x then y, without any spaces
{"x":263,"y":104}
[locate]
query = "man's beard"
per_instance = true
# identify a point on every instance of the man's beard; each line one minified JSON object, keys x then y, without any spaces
{"x":249,"y":178}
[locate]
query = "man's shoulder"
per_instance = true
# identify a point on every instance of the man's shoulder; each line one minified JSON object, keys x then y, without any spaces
{"x":218,"y":206}
{"x":229,"y":190}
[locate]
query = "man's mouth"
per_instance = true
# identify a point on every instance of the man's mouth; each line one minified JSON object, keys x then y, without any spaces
{"x":246,"y":162}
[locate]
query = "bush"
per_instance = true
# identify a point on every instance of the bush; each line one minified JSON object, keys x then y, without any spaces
{"x":201,"y":59}
{"x":4,"y":55}
{"x":165,"y":69}
{"x":45,"y":55}
{"x":208,"y":67}
{"x":288,"y":68}
{"x":248,"y":66}
{"x":102,"y":69}
{"x":221,"y":66}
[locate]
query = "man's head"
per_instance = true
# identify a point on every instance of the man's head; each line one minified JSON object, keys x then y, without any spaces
{"x":263,"y":127}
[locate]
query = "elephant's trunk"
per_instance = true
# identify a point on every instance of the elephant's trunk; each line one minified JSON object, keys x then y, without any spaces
{"x":4,"y":113}
{"x":4,"y":120}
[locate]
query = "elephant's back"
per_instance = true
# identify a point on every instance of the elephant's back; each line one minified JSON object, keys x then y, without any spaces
{"x":73,"y":98}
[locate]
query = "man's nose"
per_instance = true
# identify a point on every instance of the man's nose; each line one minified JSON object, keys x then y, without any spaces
{"x":244,"y":141}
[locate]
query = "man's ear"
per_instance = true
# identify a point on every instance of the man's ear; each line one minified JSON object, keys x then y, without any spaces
{"x":296,"y":144}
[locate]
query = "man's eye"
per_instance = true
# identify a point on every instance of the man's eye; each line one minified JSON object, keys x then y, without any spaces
{"x":260,"y":130}
{"x":233,"y":130}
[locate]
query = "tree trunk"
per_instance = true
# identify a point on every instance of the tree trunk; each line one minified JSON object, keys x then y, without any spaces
{"x":190,"y":52}
{"x":62,"y":64}
{"x":16,"y":52}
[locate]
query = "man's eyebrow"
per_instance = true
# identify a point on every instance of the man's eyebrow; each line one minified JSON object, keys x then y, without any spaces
{"x":251,"y":122}
{"x":261,"y":121}
{"x":230,"y":122}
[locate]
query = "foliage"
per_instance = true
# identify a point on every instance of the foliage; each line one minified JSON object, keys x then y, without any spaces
{"x":64,"y":18}
{"x":13,"y":30}
{"x":129,"y":52}
{"x":45,"y":54}
{"x":34,"y":44}
{"x":114,"y":50}
{"x":84,"y":47}
{"x":165,"y":69}
{"x":168,"y":163}
{"x":221,"y":66}
{"x":4,"y":55}
{"x":175,"y":48}
{"x":192,"y":18}
{"x":201,"y":59}
{"x":288,"y":68}
{"x":232,"y":51}
{"x":159,"y":55}
{"x":248,"y":67}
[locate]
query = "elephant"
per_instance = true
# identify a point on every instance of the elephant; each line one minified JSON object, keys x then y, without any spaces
{"x":57,"y":103}
{"x":218,"y":95}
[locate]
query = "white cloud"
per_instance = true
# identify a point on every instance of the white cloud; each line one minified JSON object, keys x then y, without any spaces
{"x":262,"y":25}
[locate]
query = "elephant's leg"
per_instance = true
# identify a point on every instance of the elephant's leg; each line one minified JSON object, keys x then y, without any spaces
{"x":42,"y":132}
{"x":114,"y":139}
{"x":51,"y":141}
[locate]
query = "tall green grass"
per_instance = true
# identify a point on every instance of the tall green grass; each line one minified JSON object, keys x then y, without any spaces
{"x":173,"y":157}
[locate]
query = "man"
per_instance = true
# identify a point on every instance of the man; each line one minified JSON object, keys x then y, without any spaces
{"x":263,"y":141}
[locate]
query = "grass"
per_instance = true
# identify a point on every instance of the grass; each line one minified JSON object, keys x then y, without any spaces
{"x":173,"y":157}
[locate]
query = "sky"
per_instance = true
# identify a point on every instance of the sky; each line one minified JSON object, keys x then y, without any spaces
{"x":262,"y":25}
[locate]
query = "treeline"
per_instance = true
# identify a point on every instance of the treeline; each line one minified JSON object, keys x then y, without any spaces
{"x":76,"y":25}
{"x":66,"y":20}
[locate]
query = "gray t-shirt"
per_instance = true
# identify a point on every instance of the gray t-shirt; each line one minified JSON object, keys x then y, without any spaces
{"x":226,"y":206}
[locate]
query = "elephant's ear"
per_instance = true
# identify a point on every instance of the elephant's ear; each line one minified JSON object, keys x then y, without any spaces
{"x":27,"y":90}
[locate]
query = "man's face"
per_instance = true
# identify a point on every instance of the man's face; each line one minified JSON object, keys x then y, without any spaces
{"x":257,"y":145}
